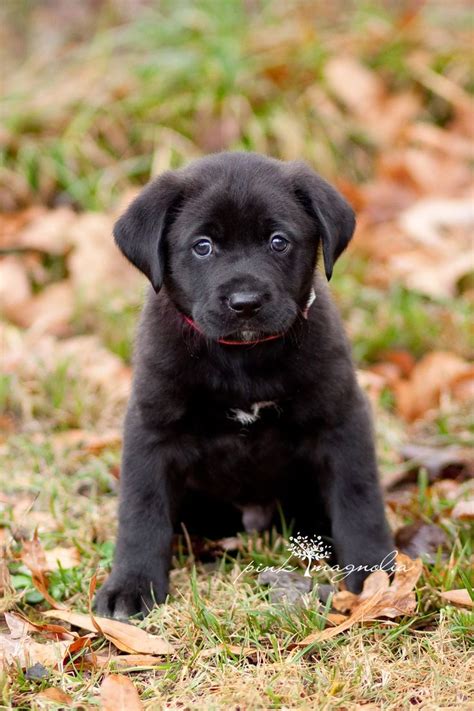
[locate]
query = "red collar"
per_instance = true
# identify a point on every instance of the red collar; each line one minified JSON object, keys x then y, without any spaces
{"x":225,"y":342}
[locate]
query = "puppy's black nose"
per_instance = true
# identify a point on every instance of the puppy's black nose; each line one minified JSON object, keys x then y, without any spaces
{"x":245,"y":303}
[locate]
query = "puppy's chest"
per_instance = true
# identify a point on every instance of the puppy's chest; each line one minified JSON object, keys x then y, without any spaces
{"x":213,"y":415}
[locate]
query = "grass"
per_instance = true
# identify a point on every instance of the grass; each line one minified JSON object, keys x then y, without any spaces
{"x":71,"y":495}
{"x":397,"y":318}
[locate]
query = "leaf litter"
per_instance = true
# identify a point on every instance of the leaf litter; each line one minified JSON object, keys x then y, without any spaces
{"x":380,"y":598}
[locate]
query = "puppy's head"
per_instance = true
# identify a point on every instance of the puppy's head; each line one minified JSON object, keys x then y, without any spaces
{"x":234,"y":238}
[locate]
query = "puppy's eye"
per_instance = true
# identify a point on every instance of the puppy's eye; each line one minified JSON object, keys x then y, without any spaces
{"x":203,"y":247}
{"x":278,"y":242}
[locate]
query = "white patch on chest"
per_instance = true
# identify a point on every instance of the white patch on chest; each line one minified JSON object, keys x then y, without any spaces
{"x":248,"y":418}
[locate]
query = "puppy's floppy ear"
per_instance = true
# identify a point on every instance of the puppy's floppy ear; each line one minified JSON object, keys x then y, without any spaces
{"x":140,"y":232}
{"x":334,"y":217}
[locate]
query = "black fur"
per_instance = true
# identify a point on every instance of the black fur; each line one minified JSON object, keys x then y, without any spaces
{"x":184,"y":457}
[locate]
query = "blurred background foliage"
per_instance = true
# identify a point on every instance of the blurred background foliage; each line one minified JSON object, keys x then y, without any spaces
{"x":103,"y":93}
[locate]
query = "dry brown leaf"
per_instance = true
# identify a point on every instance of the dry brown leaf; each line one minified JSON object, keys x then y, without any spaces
{"x":345,"y":601}
{"x":335,"y":618}
{"x":85,"y":440}
{"x":12,"y":224}
{"x":126,"y":637}
{"x":117,"y":693}
{"x":421,"y":540}
{"x":354,"y":84}
{"x":462,"y":387}
{"x":17,"y":621}
{"x":427,"y":220}
{"x":431,"y":376}
{"x":362,"y":612}
{"x":407,"y":574}
{"x":14,"y":284}
{"x":95,"y":264}
{"x":50,"y":311}
{"x":49,"y":231}
{"x":434,"y":272}
{"x":425,"y":172}
{"x":463,"y":510}
{"x":61,"y":557}
{"x":402,"y":360}
{"x":458,"y":597}
{"x":19,"y":648}
{"x":378,"y":599}
{"x":434,"y":137}
{"x":5,"y":581}
{"x":33,"y":556}
{"x":26,"y":652}
{"x":440,"y":461}
{"x":126,"y":661}
{"x":54,"y":695}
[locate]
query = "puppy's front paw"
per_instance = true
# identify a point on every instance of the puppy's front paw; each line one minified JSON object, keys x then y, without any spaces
{"x":123,"y":596}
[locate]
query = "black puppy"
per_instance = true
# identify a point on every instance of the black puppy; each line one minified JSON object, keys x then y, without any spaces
{"x":244,"y":390}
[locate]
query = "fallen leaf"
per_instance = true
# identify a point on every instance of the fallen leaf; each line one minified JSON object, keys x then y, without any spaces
{"x":19,"y":647}
{"x":430,"y":378}
{"x":406,"y":575}
{"x":126,"y":661}
{"x":427,"y":220}
{"x":231,"y":543}
{"x":458,"y":597}
{"x":335,"y":618}
{"x":61,"y":557}
{"x":435,"y":273}
{"x":346,"y":601}
{"x":421,"y":540}
{"x":462,"y":387}
{"x":17,"y":622}
{"x":14,"y":284}
{"x":85,"y":440}
{"x":50,"y":311}
{"x":48,"y":231}
{"x":54,"y":695}
{"x":440,"y":461}
{"x":126,"y":637}
{"x":117,"y":693}
{"x":33,"y":556}
{"x":402,"y":360}
{"x":26,"y":652}
{"x":12,"y":224}
{"x":95,"y":264}
{"x":361,"y":613}
{"x":5,"y":581}
{"x":463,"y":510}
{"x":354,"y":84}
{"x":377,"y":599}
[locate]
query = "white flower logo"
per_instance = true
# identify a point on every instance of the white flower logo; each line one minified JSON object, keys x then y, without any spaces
{"x":310,"y":549}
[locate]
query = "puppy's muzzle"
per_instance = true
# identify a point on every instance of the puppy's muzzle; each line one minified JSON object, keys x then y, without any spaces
{"x":245,"y":303}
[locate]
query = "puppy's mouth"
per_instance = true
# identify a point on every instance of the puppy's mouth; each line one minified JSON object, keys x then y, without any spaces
{"x":245,"y":335}
{"x":251,"y":330}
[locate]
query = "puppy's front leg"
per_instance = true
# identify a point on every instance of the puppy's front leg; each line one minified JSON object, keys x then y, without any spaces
{"x":142,"y":558}
{"x":350,"y":486}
